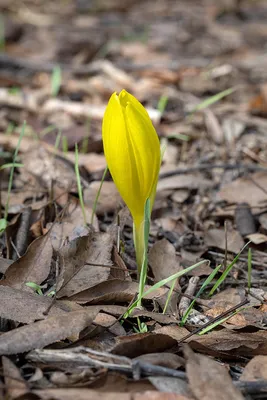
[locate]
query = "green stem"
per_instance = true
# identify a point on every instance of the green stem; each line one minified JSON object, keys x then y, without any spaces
{"x":139,"y":244}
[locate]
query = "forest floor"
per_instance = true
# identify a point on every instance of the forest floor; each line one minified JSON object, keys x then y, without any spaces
{"x":200,"y":69}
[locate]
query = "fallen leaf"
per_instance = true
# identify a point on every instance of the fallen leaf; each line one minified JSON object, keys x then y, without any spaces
{"x":109,"y":199}
{"x":163,"y":260}
{"x":110,"y":322}
{"x":85,"y":262}
{"x":164,"y":263}
{"x":142,"y":343}
{"x":180,"y":195}
{"x":216,"y":238}
{"x":214,"y":129}
{"x":244,"y":190}
{"x":4,"y":264}
{"x":172,"y":385}
{"x":174,"y":331}
{"x":93,"y":162}
{"x":257,"y":238}
{"x":150,"y":395}
{"x":208,"y":379}
{"x":234,"y":343}
{"x":49,"y":168}
{"x":168,"y":360}
{"x":33,"y":266}
{"x":255,"y":369}
{"x":187,"y":181}
{"x":14,"y":383}
{"x":42,"y":333}
{"x":21,"y":306}
{"x":114,"y":291}
{"x":80,"y":394}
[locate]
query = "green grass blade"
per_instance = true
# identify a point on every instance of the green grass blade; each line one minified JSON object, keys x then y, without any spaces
{"x":169,"y":295}
{"x":201,"y":290}
{"x":164,"y":282}
{"x":226,"y":272}
{"x":98,"y":194}
{"x":2,"y":33}
{"x":213,"y":99}
{"x":65,"y":144}
{"x":57,"y":141}
{"x":162,"y":104}
{"x":179,"y":136}
{"x":79,"y":185}
{"x":249,"y":268}
{"x":56,"y":80}
{"x":212,"y":326}
{"x":10,"y":165}
{"x":221,"y":321}
{"x":36,"y":287}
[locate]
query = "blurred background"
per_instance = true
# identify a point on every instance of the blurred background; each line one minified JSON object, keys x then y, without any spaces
{"x":61,"y":60}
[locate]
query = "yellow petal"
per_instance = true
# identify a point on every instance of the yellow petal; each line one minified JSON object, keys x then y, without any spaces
{"x":118,"y":152}
{"x":132,"y":151}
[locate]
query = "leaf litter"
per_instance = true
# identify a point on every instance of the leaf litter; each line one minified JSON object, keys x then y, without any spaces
{"x":66,"y":288}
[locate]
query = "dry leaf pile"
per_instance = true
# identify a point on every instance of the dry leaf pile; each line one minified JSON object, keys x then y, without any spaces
{"x":66,"y":285}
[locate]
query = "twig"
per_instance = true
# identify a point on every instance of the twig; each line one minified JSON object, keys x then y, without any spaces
{"x":256,"y":263}
{"x":252,"y":387}
{"x":222,"y":315}
{"x":86,"y":357}
{"x":190,"y":291}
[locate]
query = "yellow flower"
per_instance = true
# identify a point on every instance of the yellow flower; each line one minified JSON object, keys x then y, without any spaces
{"x":132,"y":150}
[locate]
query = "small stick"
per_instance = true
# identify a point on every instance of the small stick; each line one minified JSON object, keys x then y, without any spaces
{"x":190,"y":291}
{"x":222,"y":315}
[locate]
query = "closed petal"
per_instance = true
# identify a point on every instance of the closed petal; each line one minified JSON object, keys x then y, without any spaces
{"x":120,"y":156}
{"x":146,"y":147}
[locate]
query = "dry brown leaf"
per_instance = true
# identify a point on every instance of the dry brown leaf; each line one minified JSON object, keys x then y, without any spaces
{"x":244,"y":190}
{"x":180,"y":195}
{"x":172,"y":385}
{"x":48,"y":168}
{"x":164,"y":263}
{"x":80,"y":394}
{"x":216,"y":238}
{"x":113,"y":291}
{"x":247,"y":317}
{"x":235,"y":343}
{"x":255,"y":369}
{"x":78,"y":258}
{"x":164,"y":319}
{"x":208,"y":379}
{"x":174,"y":331}
{"x":42,"y":333}
{"x":14,"y":383}
{"x":108,"y":321}
{"x":111,"y":309}
{"x":4,"y":264}
{"x":142,"y":343}
{"x":64,"y":232}
{"x":150,"y":395}
{"x":214,"y":128}
{"x":20,"y":306}
{"x":93,"y":162}
{"x":168,"y":360}
{"x":188,"y":181}
{"x":109,"y":199}
{"x":257,"y":238}
{"x":33,"y":266}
